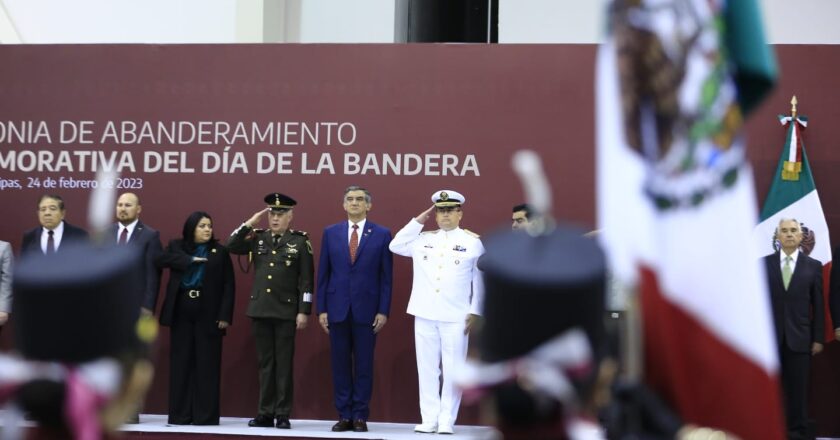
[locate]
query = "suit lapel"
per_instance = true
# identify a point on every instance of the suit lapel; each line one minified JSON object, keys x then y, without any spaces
{"x":776,"y":270}
{"x":798,"y":270}
{"x":364,"y":237}
{"x":343,"y":238}
{"x":115,"y":230}
{"x":138,"y":229}
{"x":282,"y":241}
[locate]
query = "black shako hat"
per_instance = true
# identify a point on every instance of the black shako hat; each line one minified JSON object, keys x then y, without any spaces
{"x":279,"y":202}
{"x":76,"y":305}
{"x":538,"y":287}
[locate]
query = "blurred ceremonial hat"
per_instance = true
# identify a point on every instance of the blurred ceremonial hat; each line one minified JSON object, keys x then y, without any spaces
{"x":279,"y":202}
{"x":76,"y":305}
{"x":538,"y":286}
{"x":446,"y":198}
{"x":543,"y":333}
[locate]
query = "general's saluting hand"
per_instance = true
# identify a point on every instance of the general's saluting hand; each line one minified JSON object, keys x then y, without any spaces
{"x":255,"y":219}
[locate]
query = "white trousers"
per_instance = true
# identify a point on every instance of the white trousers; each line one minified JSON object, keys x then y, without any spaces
{"x":437,"y":344}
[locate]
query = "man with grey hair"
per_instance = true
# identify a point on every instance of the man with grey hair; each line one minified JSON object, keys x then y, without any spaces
{"x":796,"y":285}
{"x":354,"y":299}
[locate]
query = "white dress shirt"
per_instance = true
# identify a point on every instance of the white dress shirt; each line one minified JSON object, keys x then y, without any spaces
{"x":793,"y":258}
{"x":130,"y":228}
{"x":359,"y":231}
{"x":58,"y":232}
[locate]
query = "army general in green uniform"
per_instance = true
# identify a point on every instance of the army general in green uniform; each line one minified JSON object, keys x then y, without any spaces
{"x":281,"y":300}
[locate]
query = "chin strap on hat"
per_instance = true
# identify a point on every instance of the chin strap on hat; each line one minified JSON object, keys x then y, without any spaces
{"x":548,"y":369}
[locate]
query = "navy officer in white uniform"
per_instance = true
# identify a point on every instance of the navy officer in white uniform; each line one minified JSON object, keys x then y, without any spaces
{"x":446,"y":300}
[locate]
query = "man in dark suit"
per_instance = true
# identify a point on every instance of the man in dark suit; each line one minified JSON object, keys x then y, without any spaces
{"x":795,"y":282}
{"x":354,"y":298}
{"x":54,"y":233}
{"x":281,"y":300}
{"x":130,"y":230}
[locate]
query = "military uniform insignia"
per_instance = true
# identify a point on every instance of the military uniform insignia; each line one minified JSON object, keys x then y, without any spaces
{"x":292,"y":250}
{"x":307,"y":297}
{"x":444,"y":196}
{"x":309,"y":246}
{"x":428,"y":246}
{"x":291,"y":245}
{"x":288,"y":263}
{"x":459,"y":248}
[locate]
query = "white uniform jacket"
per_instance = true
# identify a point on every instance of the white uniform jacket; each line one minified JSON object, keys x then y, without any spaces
{"x":447,"y":284}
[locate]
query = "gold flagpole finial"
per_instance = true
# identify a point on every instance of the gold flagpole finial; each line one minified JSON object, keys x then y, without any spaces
{"x":793,"y":103}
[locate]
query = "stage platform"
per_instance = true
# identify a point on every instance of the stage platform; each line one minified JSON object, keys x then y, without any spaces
{"x":154,"y":427}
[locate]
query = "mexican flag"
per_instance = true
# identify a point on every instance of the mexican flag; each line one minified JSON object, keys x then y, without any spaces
{"x":794,"y":195}
{"x":676,"y":204}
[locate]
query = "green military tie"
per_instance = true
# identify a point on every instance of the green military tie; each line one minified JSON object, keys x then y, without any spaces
{"x":787,"y":271}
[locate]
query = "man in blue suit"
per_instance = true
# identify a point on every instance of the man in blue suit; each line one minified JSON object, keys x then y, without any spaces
{"x":354,"y":297}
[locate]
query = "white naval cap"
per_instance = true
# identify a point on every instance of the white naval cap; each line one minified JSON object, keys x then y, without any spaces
{"x":447,"y":197}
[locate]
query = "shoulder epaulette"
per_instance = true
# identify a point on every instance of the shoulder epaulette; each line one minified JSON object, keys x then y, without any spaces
{"x":302,"y":233}
{"x":471,"y":233}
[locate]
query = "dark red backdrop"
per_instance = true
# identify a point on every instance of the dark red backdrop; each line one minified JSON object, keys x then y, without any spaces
{"x":425,"y":99}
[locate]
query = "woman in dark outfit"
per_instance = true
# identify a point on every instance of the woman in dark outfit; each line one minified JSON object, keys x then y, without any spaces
{"x":198,"y":308}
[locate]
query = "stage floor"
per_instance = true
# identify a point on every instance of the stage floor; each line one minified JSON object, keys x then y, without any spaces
{"x":153,"y":423}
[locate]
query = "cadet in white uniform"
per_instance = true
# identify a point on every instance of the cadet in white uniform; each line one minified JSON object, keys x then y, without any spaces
{"x":446,"y":299}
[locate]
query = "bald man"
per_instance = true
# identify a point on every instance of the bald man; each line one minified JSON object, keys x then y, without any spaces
{"x":129,"y":230}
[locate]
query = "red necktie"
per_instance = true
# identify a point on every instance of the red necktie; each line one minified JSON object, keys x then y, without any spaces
{"x":50,"y":243}
{"x":123,"y":236}
{"x":354,"y":243}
